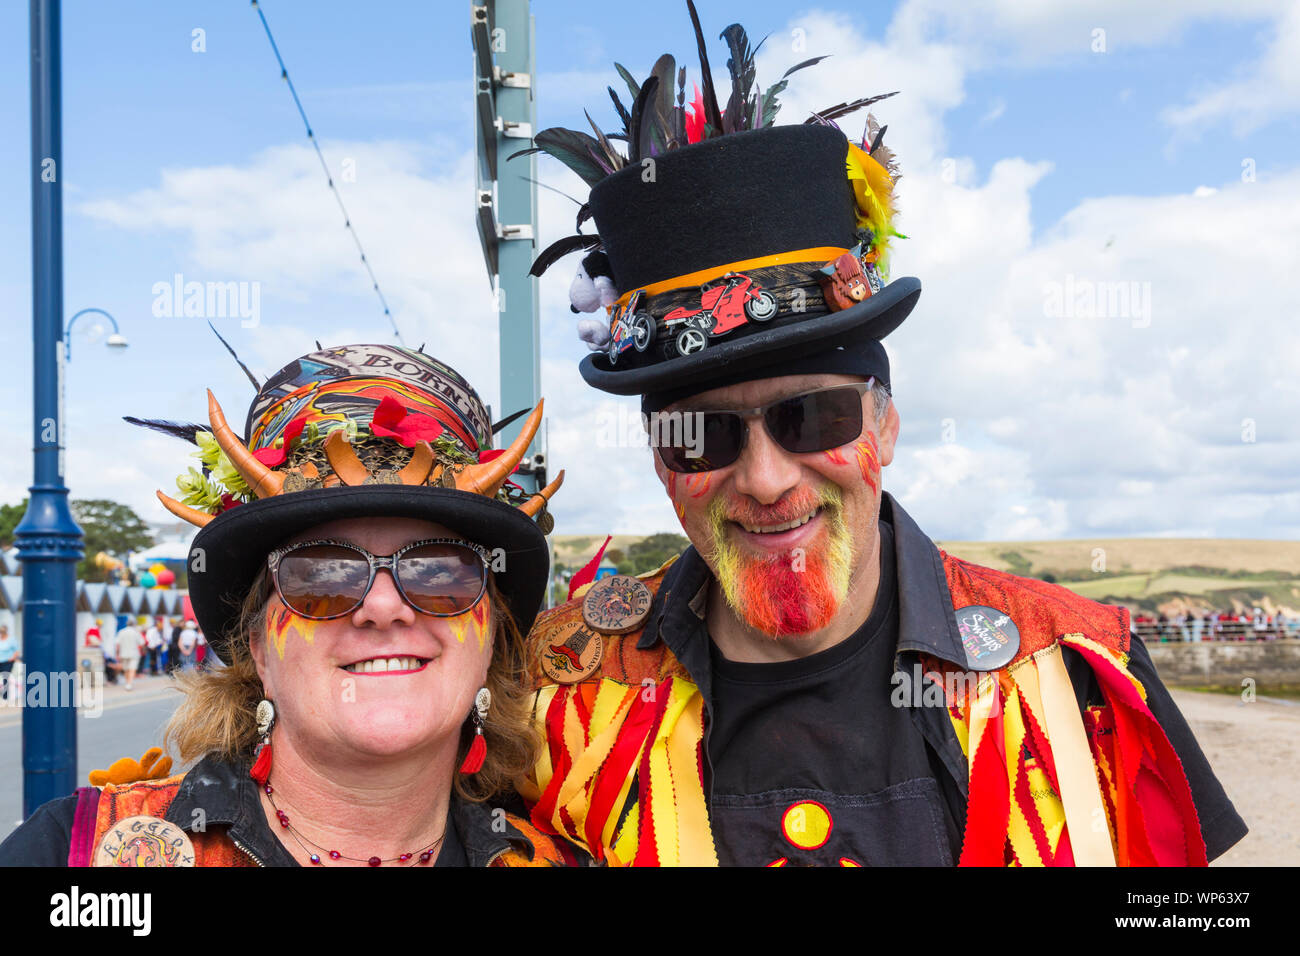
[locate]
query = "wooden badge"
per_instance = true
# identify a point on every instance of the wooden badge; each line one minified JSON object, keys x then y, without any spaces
{"x":573,"y":654}
{"x":145,"y":841}
{"x":616,"y":605}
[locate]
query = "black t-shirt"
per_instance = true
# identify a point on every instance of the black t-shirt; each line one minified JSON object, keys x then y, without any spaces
{"x":812,"y":765}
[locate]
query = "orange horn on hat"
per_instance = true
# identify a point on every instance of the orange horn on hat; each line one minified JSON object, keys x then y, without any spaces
{"x":344,"y":460}
{"x":537,"y":501}
{"x":193,"y":515}
{"x":415,"y":471}
{"x":486,"y":479}
{"x":262,"y":480}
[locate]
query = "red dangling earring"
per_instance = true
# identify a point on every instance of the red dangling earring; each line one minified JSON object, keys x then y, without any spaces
{"x":478,"y":749}
{"x":261,"y":770}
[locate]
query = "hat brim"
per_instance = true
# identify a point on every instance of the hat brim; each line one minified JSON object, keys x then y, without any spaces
{"x":873,"y":318}
{"x":228,"y":553}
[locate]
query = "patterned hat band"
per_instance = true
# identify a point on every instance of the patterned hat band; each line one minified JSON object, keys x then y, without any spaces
{"x":679,"y":316}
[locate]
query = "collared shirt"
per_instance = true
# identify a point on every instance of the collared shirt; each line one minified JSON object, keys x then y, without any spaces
{"x":927,"y":626}
{"x":215,"y":793}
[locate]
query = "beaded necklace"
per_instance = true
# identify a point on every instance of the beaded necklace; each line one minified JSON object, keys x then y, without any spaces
{"x":405,"y":859}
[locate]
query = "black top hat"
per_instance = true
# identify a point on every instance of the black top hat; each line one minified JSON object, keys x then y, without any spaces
{"x":733,"y":245}
{"x":720,"y":251}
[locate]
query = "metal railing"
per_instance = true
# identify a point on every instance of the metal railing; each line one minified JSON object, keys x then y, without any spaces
{"x":1224,"y":629}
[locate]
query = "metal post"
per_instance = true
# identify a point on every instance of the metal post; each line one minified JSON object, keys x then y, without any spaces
{"x":503,"y":39}
{"x":48,"y":539}
{"x":521,"y":367}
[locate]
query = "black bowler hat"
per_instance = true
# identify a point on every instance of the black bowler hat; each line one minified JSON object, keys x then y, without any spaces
{"x":735,"y":246}
{"x":359,"y":431}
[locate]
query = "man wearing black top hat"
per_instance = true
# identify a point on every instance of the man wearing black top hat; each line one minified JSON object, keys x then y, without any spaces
{"x":813,"y":682}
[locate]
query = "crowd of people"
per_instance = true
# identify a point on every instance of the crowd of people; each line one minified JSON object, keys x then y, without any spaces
{"x":1252,"y":625}
{"x":161,"y":647}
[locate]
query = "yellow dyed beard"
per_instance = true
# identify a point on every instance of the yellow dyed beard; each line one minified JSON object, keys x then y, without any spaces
{"x":729,"y":562}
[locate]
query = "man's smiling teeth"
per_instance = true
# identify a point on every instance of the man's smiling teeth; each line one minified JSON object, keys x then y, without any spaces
{"x":788,"y":526}
{"x":380,"y":665}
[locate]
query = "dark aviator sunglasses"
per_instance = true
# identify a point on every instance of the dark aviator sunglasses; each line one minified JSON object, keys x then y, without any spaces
{"x":816,"y":420}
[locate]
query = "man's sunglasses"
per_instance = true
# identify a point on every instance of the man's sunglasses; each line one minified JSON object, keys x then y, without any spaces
{"x":819,"y":420}
{"x":321,"y":580}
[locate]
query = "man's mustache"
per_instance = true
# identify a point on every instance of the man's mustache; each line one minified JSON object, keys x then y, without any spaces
{"x":797,"y":504}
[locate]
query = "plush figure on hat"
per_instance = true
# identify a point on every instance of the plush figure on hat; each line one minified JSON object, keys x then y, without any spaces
{"x":593,"y":288}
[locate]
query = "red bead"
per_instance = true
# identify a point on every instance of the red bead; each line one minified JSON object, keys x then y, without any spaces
{"x":426,"y":856}
{"x":269,"y":791}
{"x":404,"y":857}
{"x":335,"y":854}
{"x":315,"y":859}
{"x":374,"y":861}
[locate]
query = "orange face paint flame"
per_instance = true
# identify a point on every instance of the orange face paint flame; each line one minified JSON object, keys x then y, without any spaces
{"x":702,"y":483}
{"x":835,"y":456}
{"x":281,"y":621}
{"x":474,"y":621}
{"x":869,"y":461}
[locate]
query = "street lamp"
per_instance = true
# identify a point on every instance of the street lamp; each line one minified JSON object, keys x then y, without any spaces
{"x":115,"y":341}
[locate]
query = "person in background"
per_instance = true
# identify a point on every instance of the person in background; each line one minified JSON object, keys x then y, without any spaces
{"x":186,"y":645}
{"x":92,"y":633}
{"x":172,"y":653}
{"x":129,"y":644}
{"x":9,"y":655}
{"x":153,"y":645}
{"x":108,"y":643}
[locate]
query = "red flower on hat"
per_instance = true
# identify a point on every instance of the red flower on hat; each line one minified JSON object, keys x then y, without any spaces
{"x":394,"y":420}
{"x":695,"y":119}
{"x":228,"y":501}
{"x":275,"y":457}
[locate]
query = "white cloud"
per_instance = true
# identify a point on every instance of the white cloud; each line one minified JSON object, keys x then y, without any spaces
{"x":1258,"y":93}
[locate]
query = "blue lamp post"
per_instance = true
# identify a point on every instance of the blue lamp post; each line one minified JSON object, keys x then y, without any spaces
{"x":49,"y":541}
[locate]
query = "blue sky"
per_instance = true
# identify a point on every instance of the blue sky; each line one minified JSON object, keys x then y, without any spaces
{"x":1028,"y":156}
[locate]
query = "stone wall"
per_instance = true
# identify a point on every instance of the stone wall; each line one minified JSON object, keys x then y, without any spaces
{"x":1228,"y":663}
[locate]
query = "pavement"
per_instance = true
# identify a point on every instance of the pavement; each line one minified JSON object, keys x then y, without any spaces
{"x":1253,"y":746}
{"x":119,"y":723}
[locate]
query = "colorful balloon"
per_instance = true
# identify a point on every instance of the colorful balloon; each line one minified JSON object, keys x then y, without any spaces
{"x":147,"y":580}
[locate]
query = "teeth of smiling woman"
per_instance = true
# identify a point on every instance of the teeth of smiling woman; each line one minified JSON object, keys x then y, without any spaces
{"x":788,"y":526}
{"x":382,"y":664}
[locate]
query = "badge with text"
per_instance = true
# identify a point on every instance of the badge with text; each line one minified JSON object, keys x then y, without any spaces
{"x":573,"y":654}
{"x":616,"y":605}
{"x":145,"y":841}
{"x":989,"y":637}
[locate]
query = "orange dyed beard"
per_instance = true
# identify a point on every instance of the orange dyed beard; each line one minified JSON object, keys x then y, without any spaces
{"x":789,"y":593}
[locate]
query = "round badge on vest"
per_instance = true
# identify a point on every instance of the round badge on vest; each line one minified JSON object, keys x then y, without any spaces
{"x":145,"y":841}
{"x":573,"y":654}
{"x":616,"y":604}
{"x":989,"y":637}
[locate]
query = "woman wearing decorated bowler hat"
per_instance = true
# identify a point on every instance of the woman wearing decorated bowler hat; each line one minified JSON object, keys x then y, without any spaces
{"x":364,"y":570}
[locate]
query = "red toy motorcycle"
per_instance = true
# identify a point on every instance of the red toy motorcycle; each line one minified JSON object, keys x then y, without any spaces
{"x":735,"y":300}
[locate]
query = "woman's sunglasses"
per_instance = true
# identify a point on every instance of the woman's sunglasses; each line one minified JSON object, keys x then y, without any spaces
{"x":326,"y":579}
{"x":819,"y":420}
